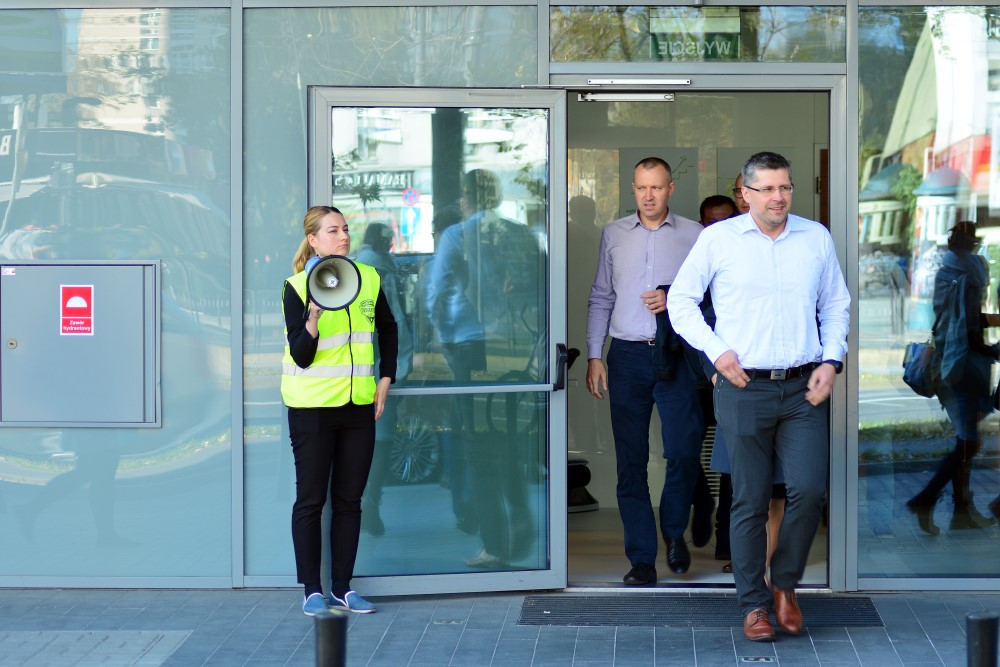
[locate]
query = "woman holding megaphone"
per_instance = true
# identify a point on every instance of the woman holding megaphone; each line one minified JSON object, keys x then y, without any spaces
{"x":328,"y":384}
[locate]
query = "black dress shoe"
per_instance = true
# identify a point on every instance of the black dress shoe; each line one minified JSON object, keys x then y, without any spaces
{"x":678,"y":556}
{"x":641,"y":574}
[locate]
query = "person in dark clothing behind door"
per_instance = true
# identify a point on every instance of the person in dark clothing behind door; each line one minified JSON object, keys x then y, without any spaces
{"x":637,"y":254}
{"x":960,"y":284}
{"x":328,"y":383}
{"x":782,"y":315}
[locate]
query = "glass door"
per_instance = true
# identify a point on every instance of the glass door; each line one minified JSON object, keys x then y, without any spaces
{"x":457,"y":198}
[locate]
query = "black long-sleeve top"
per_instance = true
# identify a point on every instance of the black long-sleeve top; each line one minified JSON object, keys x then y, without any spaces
{"x":303,"y":346}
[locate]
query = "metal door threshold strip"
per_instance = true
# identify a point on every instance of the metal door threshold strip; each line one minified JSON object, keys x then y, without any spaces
{"x":709,"y":611}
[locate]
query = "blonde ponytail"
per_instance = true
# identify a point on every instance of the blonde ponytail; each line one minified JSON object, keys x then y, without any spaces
{"x":302,"y":256}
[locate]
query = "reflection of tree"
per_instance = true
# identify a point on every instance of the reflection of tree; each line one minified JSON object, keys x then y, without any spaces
{"x":535,"y":186}
{"x":792,"y":34}
{"x":622,"y":34}
{"x":367,"y":193}
{"x":617,"y":34}
{"x":939,"y":16}
{"x":906,"y":182}
{"x":887,"y":39}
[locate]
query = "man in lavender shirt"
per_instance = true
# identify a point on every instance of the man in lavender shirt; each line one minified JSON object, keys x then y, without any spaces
{"x":639,"y":256}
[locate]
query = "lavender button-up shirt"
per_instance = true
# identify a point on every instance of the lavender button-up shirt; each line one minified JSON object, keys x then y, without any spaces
{"x":634,"y":260}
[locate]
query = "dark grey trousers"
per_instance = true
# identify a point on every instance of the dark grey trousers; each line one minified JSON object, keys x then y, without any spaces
{"x":768,"y":419}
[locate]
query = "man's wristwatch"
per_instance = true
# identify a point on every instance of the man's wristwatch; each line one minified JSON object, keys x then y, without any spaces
{"x":838,"y":366}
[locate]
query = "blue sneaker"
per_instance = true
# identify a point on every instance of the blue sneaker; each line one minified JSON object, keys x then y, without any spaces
{"x":352,"y":602}
{"x":313,"y":604}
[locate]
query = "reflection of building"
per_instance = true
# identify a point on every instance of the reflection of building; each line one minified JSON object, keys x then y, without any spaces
{"x":963,"y":134}
{"x":141,"y":37}
{"x":945,"y":137}
{"x":385,"y":160}
{"x":881,"y":212}
{"x":938,"y":203}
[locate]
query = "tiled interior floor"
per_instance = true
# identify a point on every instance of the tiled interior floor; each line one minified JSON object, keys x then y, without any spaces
{"x":266,"y":627}
{"x":597,"y":557}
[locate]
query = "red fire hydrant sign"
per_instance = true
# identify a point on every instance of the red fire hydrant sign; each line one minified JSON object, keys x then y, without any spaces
{"x":76,"y":310}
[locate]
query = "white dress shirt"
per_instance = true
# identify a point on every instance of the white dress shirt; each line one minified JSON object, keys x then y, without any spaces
{"x":767,"y":294}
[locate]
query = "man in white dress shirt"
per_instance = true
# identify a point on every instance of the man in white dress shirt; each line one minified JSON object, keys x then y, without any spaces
{"x":782,"y":310}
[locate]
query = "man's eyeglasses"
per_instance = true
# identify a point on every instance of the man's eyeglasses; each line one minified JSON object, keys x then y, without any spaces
{"x":770,"y":190}
{"x":737,"y":192}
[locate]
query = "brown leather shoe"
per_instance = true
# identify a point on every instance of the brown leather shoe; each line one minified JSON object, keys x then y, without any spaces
{"x":786,"y":611}
{"x":757,"y":626}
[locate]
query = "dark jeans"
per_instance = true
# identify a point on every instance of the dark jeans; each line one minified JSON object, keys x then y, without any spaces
{"x":633,"y":389}
{"x":333,"y":450}
{"x":763,"y":420}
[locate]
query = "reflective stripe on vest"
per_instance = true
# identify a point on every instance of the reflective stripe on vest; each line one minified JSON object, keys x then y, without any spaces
{"x":343,"y":369}
{"x":328,"y":371}
{"x":341,"y":339}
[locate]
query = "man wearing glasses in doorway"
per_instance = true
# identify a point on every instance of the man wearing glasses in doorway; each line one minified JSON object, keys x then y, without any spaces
{"x":782,"y":316}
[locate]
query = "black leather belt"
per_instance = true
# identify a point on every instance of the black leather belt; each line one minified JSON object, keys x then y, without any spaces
{"x":780,"y":373}
{"x":650,"y":341}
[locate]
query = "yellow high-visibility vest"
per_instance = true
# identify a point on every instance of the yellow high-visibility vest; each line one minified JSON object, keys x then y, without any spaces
{"x":343,"y":370}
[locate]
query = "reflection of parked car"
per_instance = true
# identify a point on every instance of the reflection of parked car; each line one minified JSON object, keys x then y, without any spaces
{"x":416,"y":456}
{"x":113,"y":218}
{"x":416,"y":451}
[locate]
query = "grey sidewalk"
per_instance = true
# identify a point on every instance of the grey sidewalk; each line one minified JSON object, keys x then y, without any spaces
{"x":266,"y":627}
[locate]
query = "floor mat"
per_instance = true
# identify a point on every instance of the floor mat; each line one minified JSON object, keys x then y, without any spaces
{"x":708,"y":611}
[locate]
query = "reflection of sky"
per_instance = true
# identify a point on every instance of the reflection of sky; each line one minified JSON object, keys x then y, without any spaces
{"x":875,"y":28}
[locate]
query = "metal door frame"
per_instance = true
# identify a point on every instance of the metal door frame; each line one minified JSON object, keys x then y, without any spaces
{"x":321,"y":100}
{"x":843,"y":490}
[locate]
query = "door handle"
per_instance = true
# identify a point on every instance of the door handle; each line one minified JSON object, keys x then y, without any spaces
{"x":564,"y":359}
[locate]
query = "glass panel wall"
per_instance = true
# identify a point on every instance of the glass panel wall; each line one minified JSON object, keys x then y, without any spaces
{"x":929,"y":133}
{"x":639,"y":33}
{"x":115,"y":145}
{"x":402,"y":176}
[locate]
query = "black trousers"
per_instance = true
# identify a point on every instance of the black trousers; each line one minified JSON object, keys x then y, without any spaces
{"x":333,"y":450}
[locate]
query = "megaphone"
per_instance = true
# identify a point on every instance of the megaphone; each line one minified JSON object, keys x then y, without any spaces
{"x":333,"y":282}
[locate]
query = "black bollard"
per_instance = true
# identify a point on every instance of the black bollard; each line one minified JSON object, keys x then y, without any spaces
{"x":981,"y":631}
{"x":331,"y":638}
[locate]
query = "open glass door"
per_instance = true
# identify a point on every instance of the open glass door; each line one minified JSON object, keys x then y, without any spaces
{"x":457,"y":197}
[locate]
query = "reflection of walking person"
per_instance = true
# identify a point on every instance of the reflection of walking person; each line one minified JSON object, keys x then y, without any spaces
{"x":959,"y":288}
{"x":375,"y":252}
{"x":485,"y":269}
{"x":328,"y":384}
